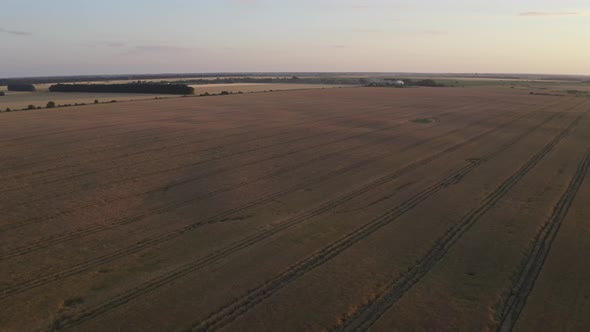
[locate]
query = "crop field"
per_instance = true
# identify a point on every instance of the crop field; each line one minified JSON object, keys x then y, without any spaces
{"x":257,"y":87}
{"x":40,"y":98}
{"x":21,"y":100}
{"x":352,"y":209}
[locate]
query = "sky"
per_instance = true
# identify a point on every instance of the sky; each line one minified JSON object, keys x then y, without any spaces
{"x":75,"y":37}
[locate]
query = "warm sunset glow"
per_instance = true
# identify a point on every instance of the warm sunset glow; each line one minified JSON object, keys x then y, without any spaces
{"x":93,"y":37}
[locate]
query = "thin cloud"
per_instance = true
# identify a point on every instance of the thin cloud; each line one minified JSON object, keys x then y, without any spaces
{"x":114,"y":44}
{"x":147,"y":49}
{"x":15,"y":32}
{"x":533,"y":13}
{"x":365,"y":30}
{"x":110,"y":44}
{"x":244,"y":2}
{"x":434,"y":32}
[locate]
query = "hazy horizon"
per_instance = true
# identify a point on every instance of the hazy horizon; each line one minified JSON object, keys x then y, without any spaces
{"x":448,"y":36}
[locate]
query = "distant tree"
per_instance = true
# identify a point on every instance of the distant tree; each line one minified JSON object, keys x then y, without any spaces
{"x":8,"y":109}
{"x":155,"y":88}
{"x":427,"y":82}
{"x":2,"y":93}
{"x":31,"y":107}
{"x":51,"y":104}
{"x":21,"y":87}
{"x":96,"y":101}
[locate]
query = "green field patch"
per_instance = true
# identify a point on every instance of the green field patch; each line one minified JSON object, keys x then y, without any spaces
{"x":423,"y":121}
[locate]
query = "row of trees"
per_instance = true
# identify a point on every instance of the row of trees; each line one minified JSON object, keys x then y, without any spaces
{"x":154,"y":88}
{"x":21,"y":87}
{"x":272,"y":80}
{"x":50,"y":104}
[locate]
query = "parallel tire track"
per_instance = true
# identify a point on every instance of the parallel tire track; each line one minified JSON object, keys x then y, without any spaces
{"x":533,"y":264}
{"x":78,"y":129}
{"x":44,"y":242}
{"x":10,"y":226}
{"x":184,"y":143}
{"x":223,"y":146}
{"x":370,"y":313}
{"x":238,"y":307}
{"x":137,"y":140}
{"x":71,"y":235}
{"x":148,"y":243}
{"x":76,"y":234}
{"x":193,"y":116}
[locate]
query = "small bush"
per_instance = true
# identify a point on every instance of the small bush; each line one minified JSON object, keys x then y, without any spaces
{"x":31,"y":107}
{"x":223,"y":93}
{"x":96,"y":101}
{"x":423,"y":121}
{"x":51,"y":104}
{"x":138,"y":87}
{"x":113,"y":101}
{"x":21,"y":87}
{"x":428,"y":83}
{"x":2,"y":93}
{"x":73,"y":302}
{"x":8,"y":109}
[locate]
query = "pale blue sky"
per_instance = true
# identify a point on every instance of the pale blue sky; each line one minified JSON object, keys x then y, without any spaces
{"x":61,"y":37}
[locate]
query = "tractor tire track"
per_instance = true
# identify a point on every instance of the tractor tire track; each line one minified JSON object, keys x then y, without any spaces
{"x":370,"y":313}
{"x":346,"y":120}
{"x":6,"y":227}
{"x":148,"y":243}
{"x":238,"y":307}
{"x":77,"y":152}
{"x":67,"y":236}
{"x":198,"y":112}
{"x":534,"y":262}
{"x":185,"y":181}
{"x":231,"y":311}
{"x":78,"y":129}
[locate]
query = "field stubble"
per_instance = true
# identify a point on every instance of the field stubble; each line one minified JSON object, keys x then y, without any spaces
{"x":118,"y":211}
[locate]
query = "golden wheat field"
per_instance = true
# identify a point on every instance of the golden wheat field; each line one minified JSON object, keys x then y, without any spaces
{"x":351,"y":209}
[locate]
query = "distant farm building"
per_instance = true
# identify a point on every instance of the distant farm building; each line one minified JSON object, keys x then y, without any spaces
{"x":395,"y":82}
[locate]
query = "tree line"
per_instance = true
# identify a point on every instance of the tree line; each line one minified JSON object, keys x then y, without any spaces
{"x":21,"y":87}
{"x":153,"y":88}
{"x":273,"y":80}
